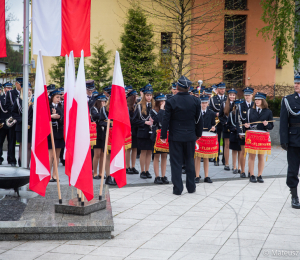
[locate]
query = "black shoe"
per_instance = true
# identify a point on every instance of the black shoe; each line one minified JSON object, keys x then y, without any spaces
{"x":175,"y":193}
{"x":52,"y":180}
{"x":143,"y":175}
{"x":201,"y":159}
{"x":13,"y":165}
{"x":223,"y":161}
{"x":226,"y":168}
{"x":158,"y":180}
{"x":165,"y":180}
{"x":235,"y":171}
{"x":192,"y":191}
{"x":197,"y":180}
{"x":295,"y":199}
{"x":216,"y":163}
{"x":243,"y":175}
{"x":239,"y":170}
{"x":211,"y":160}
{"x":137,"y":156}
{"x":129,"y":171}
{"x":248,"y":174}
{"x":97,"y":177}
{"x":63,"y":162}
{"x":252,"y":179}
{"x":109,"y":181}
{"x":207,"y":179}
{"x":134,"y":170}
{"x":149,"y":176}
{"x":0,"y":162}
{"x":260,"y":179}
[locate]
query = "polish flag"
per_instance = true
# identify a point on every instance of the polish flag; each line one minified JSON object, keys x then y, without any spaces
{"x":68,"y":102}
{"x":60,"y":26}
{"x":118,"y":112}
{"x":81,"y":172}
{"x":2,"y":29}
{"x":40,"y":166}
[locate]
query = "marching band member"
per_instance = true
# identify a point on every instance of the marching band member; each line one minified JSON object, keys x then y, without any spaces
{"x":243,"y":108}
{"x":57,"y":118}
{"x":225,"y":109}
{"x":143,"y":121}
{"x":173,"y":90}
{"x":157,"y":115}
{"x":208,"y":124}
{"x":215,"y":105}
{"x":259,"y":112}
{"x":90,"y":87}
{"x":100,"y":142}
{"x":104,"y":111}
{"x":132,"y":152}
{"x":50,"y":88}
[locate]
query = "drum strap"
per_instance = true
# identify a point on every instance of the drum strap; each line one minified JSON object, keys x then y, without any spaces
{"x":289,"y":108}
{"x":104,"y":112}
{"x":19,"y":106}
{"x":240,"y":111}
{"x":2,"y":108}
{"x":231,"y":119}
{"x":154,"y":111}
{"x":198,"y":118}
{"x":91,"y":115}
{"x":212,"y":102}
{"x":141,"y":115}
{"x":11,"y":101}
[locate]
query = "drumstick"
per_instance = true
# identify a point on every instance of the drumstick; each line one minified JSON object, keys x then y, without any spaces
{"x":259,"y":122}
{"x":214,"y":125}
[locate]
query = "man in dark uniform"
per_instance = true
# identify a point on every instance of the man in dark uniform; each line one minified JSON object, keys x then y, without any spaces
{"x":184,"y":121}
{"x":290,"y":138}
{"x":214,"y":105}
{"x":90,"y":87}
{"x":173,"y":90}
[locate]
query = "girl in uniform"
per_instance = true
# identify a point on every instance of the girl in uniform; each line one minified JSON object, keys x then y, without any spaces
{"x":259,"y":112}
{"x":225,"y":108}
{"x":157,"y":115}
{"x":100,"y":142}
{"x":144,"y":122}
{"x":132,"y":152}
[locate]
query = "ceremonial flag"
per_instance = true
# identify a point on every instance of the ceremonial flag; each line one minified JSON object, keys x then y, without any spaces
{"x":118,"y":112}
{"x":81,"y":171}
{"x":40,"y":166}
{"x":60,"y":26}
{"x":2,"y":29}
{"x":68,"y":102}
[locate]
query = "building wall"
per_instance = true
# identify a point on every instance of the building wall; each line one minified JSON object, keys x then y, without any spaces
{"x":285,"y":75}
{"x":2,"y":67}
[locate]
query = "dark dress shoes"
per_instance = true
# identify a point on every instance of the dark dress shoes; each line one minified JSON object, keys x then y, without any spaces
{"x":248,"y":174}
{"x":165,"y":180}
{"x":252,"y":179}
{"x":143,"y":175}
{"x":176,"y":193}
{"x":260,"y":179}
{"x":239,"y":170}
{"x":158,"y":180}
{"x":226,"y":168}
{"x":110,"y":181}
{"x":13,"y":165}
{"x":207,"y":179}
{"x":235,"y":171}
{"x":149,"y":176}
{"x":97,"y":177}
{"x":197,"y":180}
{"x":52,"y":180}
{"x":243,"y":175}
{"x":216,"y":163}
{"x":134,"y":170}
{"x":129,"y":171}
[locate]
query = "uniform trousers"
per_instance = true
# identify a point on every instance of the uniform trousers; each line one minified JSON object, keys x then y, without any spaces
{"x":11,"y":139}
{"x":293,"y":158}
{"x":219,"y":132}
{"x":180,"y":152}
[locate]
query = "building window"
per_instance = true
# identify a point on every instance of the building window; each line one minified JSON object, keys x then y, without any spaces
{"x":234,"y":73}
{"x":235,"y":4}
{"x":166,"y":43}
{"x":235,"y":33}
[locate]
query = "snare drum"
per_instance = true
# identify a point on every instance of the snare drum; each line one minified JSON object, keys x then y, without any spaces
{"x":207,"y":145}
{"x":159,"y":145}
{"x":93,"y":134}
{"x":257,"y":142}
{"x":127,"y":141}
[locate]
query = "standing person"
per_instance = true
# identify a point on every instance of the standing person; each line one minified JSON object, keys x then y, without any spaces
{"x":132,"y":152}
{"x":144,"y":122}
{"x":243,"y":108}
{"x":225,"y":109}
{"x":57,"y":118}
{"x":157,"y":115}
{"x":5,"y":131}
{"x":259,"y":112}
{"x":100,"y":142}
{"x":184,"y":121}
{"x":290,"y":138}
{"x":208,"y":125}
{"x":90,"y":87}
{"x":215,"y":105}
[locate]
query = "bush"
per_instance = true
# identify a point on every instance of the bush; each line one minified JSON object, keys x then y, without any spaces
{"x":275,"y":105}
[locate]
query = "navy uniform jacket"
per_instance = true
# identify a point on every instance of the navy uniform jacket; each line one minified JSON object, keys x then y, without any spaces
{"x":17,"y":112}
{"x":183,"y":118}
{"x":138,"y":121}
{"x":215,"y":105}
{"x":91,"y":102}
{"x":58,"y":124}
{"x":103,"y":117}
{"x":254,"y":116}
{"x":288,"y":134}
{"x":208,"y":120}
{"x":223,"y":118}
{"x":134,"y":128}
{"x":4,"y":114}
{"x":101,"y":124}
{"x":10,"y":99}
{"x":234,"y":126}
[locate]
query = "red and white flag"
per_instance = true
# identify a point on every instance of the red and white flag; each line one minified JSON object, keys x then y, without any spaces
{"x":81,"y":171}
{"x":2,"y":29}
{"x":60,"y":26}
{"x":40,"y":166}
{"x":118,"y":112}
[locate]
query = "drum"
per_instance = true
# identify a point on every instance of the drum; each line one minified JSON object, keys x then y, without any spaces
{"x":257,"y":142}
{"x":159,"y":145}
{"x":207,"y":145}
{"x":127,"y":141}
{"x":93,"y":134}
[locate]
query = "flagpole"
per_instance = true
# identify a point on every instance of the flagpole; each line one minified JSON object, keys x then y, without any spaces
{"x":55,"y":170}
{"x":104,"y":159}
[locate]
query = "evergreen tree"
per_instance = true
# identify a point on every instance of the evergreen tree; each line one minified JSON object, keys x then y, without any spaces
{"x":99,"y":66}
{"x":14,"y":59}
{"x":136,"y":53}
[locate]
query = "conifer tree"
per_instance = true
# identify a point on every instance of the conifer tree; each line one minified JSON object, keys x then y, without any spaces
{"x":136,"y":52}
{"x":99,"y":66}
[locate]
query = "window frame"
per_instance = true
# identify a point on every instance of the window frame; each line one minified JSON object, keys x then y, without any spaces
{"x":237,"y":84}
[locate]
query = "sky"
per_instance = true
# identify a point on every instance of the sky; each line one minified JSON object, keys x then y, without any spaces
{"x":16,"y":8}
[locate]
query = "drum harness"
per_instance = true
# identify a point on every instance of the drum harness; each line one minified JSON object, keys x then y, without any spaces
{"x":287,"y":105}
{"x":160,"y":125}
{"x":4,"y":111}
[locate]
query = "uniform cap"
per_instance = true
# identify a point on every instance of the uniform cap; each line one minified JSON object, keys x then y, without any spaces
{"x":160,"y":97}
{"x":204,"y":98}
{"x":90,"y":84}
{"x":101,"y":97}
{"x":148,"y":89}
{"x":184,"y":82}
{"x":221,"y":85}
{"x":131,"y":93}
{"x":248,"y":91}
{"x":232,"y":90}
{"x":260,"y":95}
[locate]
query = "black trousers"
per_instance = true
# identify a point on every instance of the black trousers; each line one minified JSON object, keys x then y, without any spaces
{"x":180,"y":152}
{"x":10,"y":134}
{"x":293,"y":158}
{"x":219,"y":132}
